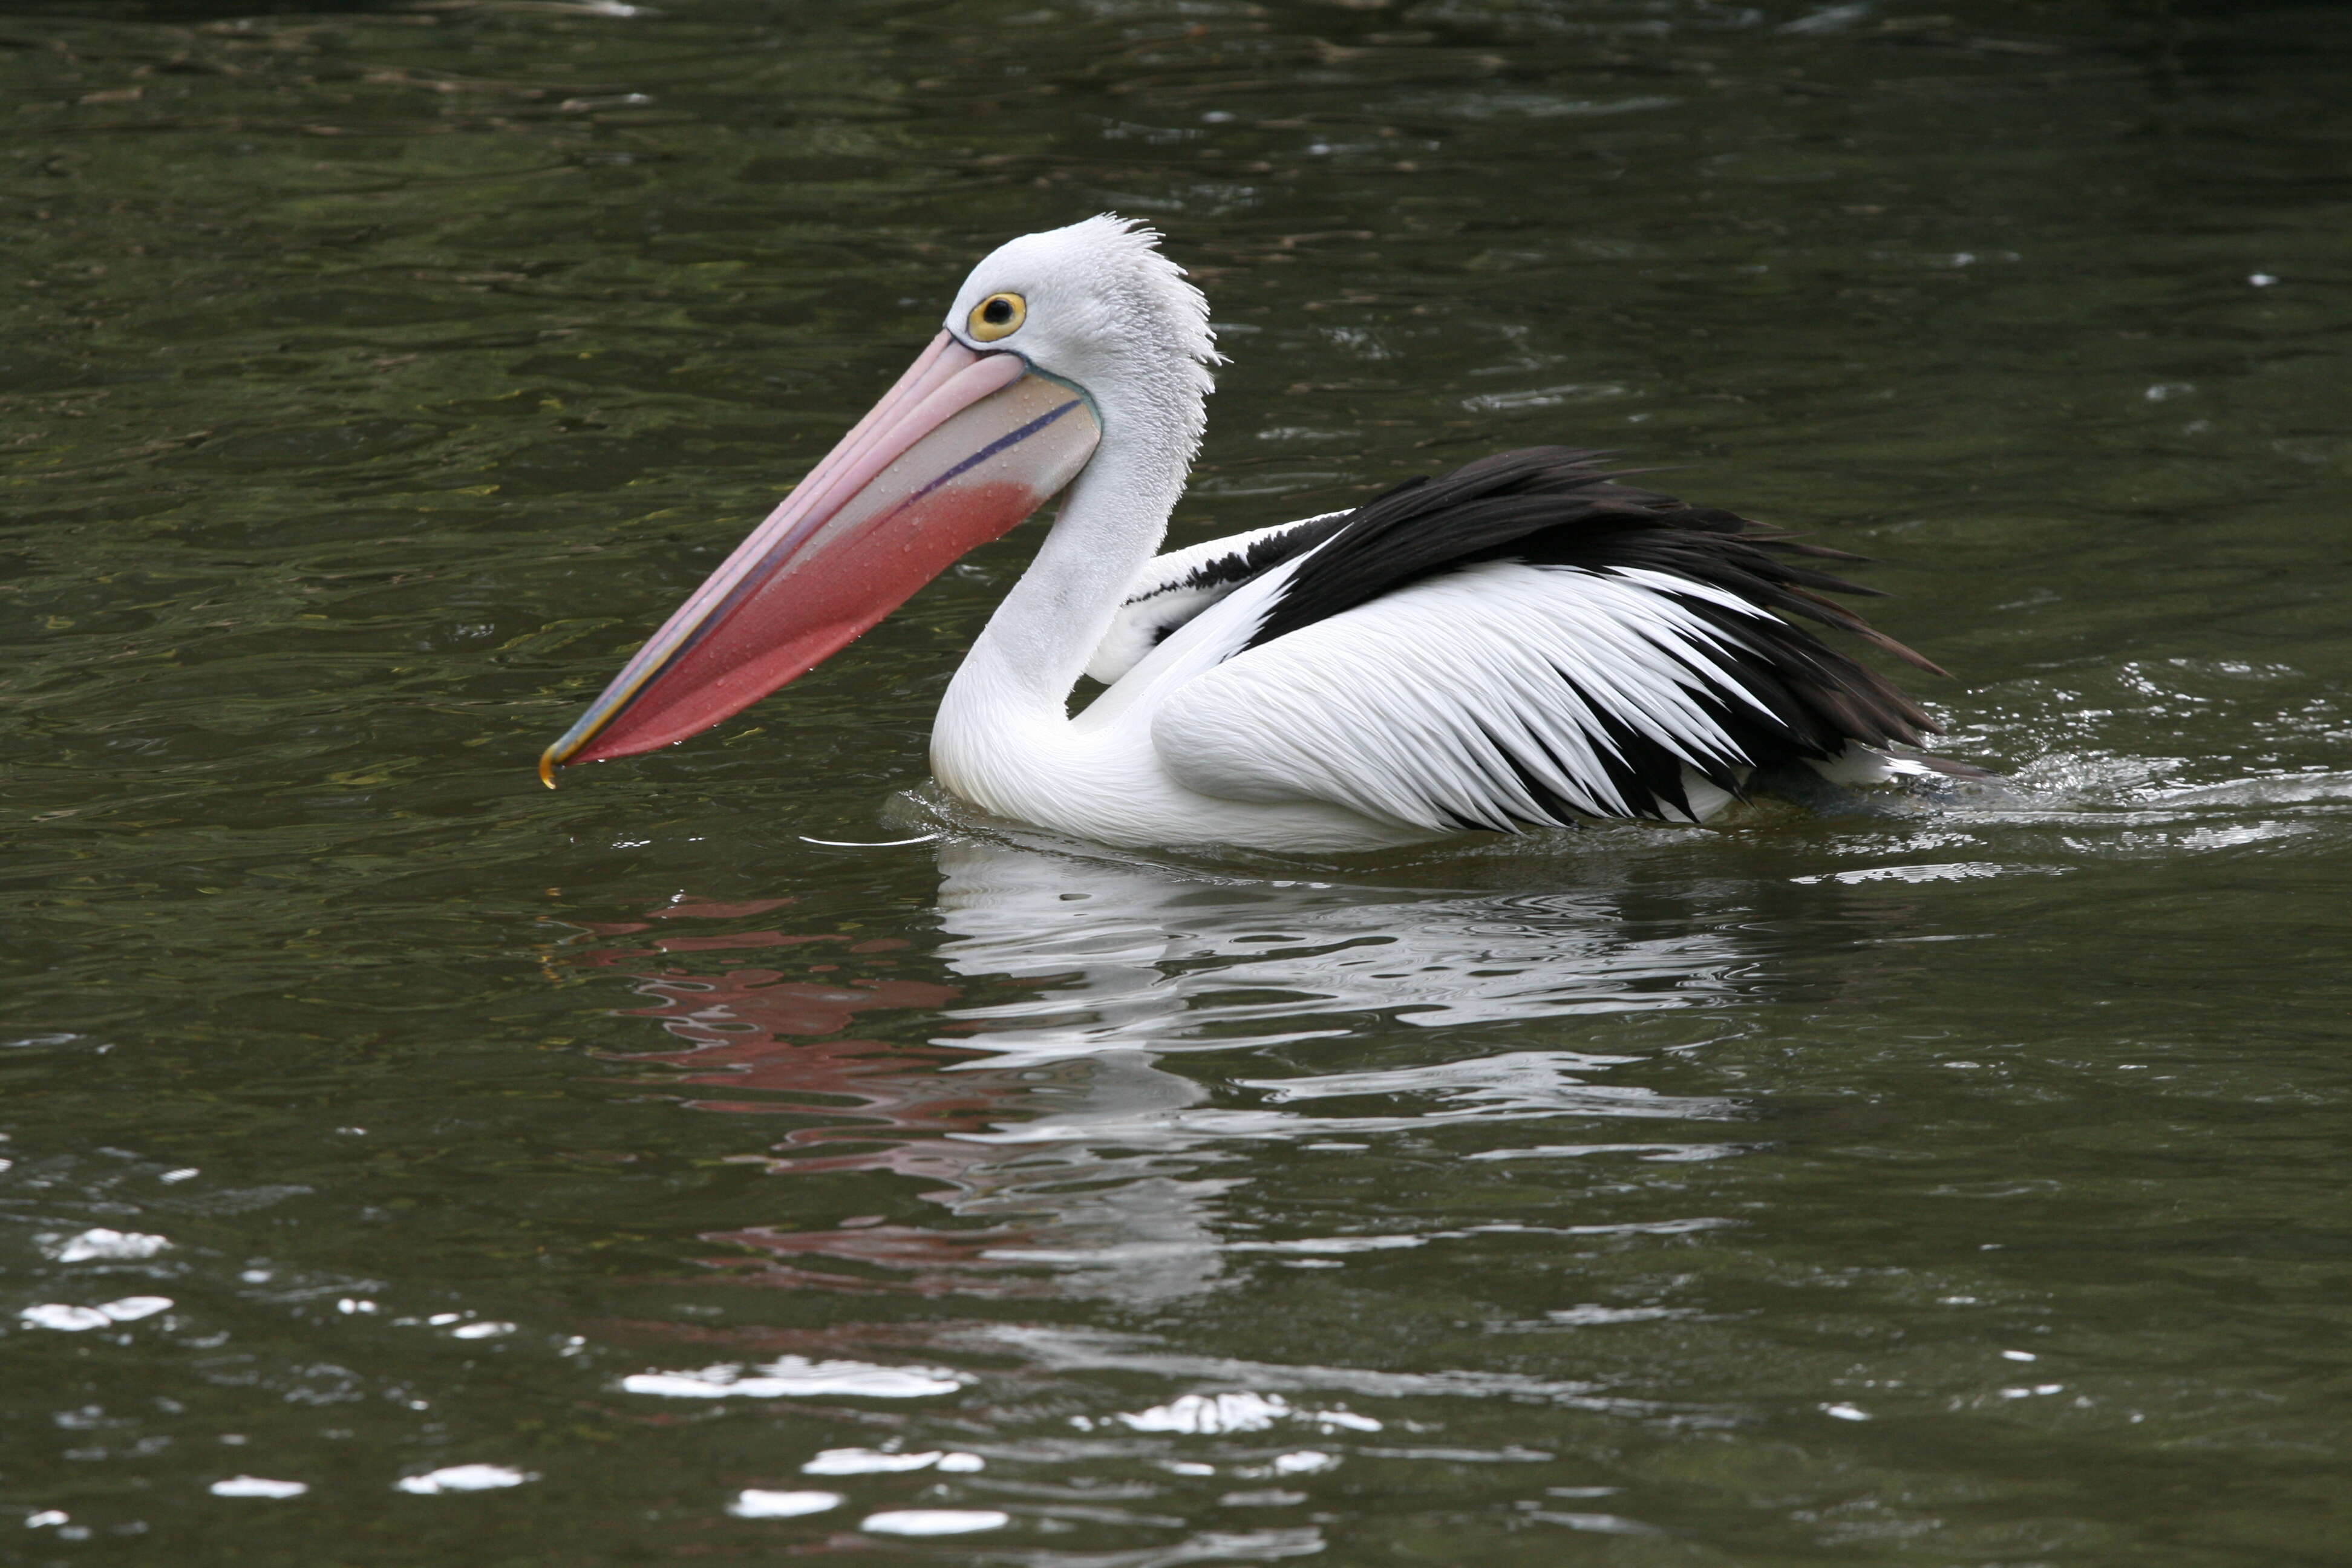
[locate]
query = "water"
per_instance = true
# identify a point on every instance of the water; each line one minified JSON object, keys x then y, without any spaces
{"x":615,"y":1176}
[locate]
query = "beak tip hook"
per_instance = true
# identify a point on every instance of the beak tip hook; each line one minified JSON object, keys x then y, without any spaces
{"x":547,"y":768}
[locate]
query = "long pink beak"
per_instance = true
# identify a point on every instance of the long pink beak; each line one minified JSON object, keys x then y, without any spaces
{"x":965,"y":445}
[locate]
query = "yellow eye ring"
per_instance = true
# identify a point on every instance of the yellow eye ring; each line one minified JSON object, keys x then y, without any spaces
{"x":998,"y":316}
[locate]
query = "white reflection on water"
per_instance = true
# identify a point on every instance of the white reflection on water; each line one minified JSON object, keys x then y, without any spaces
{"x":935,"y":1520}
{"x":1135,"y":958}
{"x":1236,"y":1411}
{"x":797,"y":1377}
{"x":1143,"y":954}
{"x":753,"y":1503}
{"x":873,"y":1461}
{"x":464,"y":1478}
{"x":103,"y":1245}
{"x":1042,"y":1115}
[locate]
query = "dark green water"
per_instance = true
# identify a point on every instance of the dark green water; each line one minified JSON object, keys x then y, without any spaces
{"x":1964,"y":1189}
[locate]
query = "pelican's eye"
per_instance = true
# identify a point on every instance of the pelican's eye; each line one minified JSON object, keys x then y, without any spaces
{"x":998,"y":316}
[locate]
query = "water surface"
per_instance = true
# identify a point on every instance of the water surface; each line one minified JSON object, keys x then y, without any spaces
{"x":618,"y":1176}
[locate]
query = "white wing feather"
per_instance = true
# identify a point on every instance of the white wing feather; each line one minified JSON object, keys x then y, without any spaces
{"x":1432,"y":706}
{"x":1167,"y":592}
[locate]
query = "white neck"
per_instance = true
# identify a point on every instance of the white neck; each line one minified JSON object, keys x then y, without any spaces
{"x":1011,"y":697}
{"x":1037,"y":643}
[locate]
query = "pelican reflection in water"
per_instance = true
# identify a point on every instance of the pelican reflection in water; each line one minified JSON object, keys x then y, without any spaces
{"x":1027,"y":1079}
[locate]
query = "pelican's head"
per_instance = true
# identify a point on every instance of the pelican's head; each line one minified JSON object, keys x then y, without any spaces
{"x":1097,"y":305}
{"x":1053,"y":340}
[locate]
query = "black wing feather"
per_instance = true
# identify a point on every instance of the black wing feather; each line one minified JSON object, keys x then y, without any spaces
{"x":1558,"y":506}
{"x":1259,"y":555}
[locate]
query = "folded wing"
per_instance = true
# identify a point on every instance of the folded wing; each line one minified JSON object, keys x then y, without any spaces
{"x":1526,"y":642}
{"x":1174,"y":588}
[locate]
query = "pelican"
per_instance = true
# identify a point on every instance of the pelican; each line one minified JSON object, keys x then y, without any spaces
{"x":1522,"y":643}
